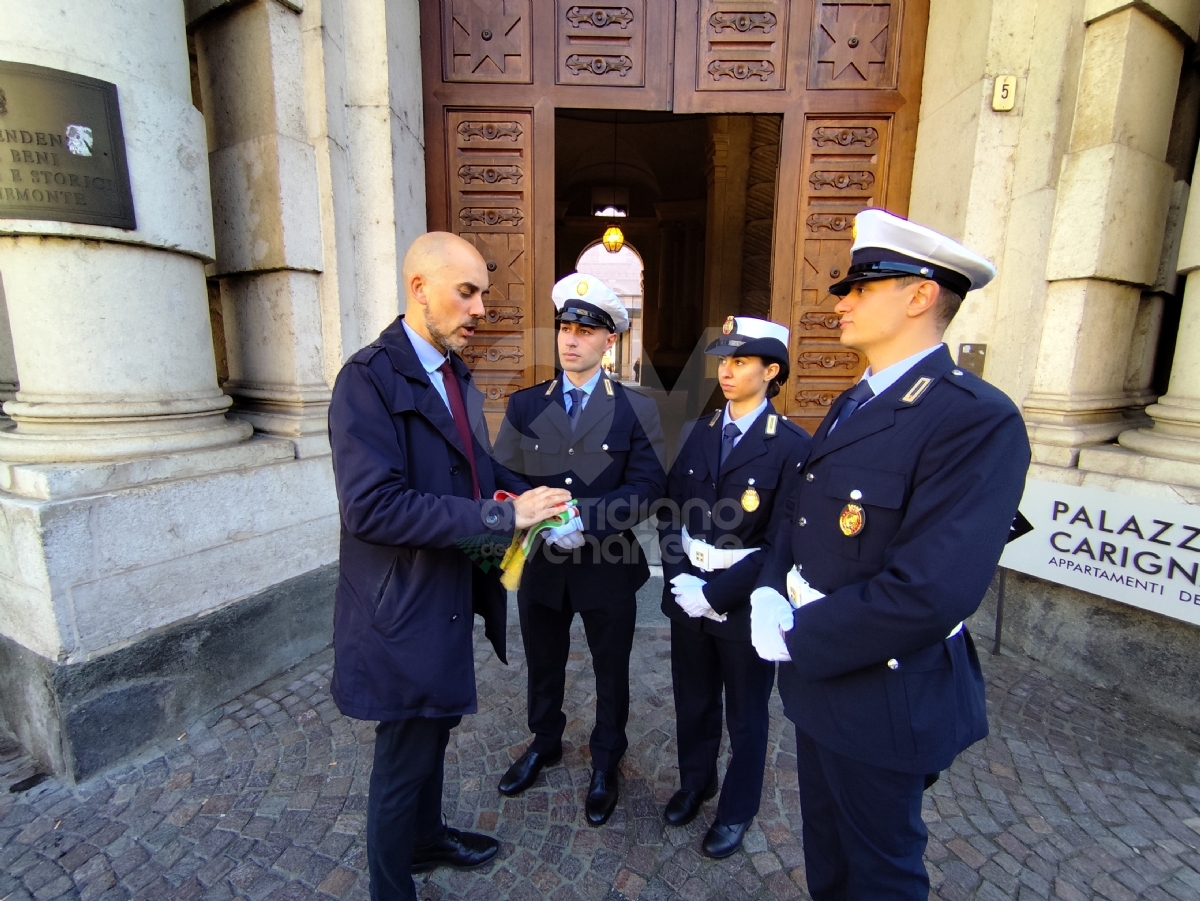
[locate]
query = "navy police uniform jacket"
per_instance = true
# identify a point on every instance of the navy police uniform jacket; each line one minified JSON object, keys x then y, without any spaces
{"x":610,"y":462}
{"x":410,"y":528}
{"x":937,"y":464}
{"x":708,"y":499}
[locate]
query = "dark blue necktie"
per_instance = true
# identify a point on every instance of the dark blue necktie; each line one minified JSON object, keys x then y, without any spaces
{"x":729,"y":435}
{"x":855,"y":398}
{"x":576,"y":395}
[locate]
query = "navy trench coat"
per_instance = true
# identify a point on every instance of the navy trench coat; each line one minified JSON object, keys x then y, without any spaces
{"x":417,"y":551}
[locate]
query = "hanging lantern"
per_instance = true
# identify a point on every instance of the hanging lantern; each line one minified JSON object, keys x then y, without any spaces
{"x":613,"y":239}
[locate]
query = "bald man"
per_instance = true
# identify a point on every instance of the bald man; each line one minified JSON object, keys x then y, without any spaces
{"x":414,"y":476}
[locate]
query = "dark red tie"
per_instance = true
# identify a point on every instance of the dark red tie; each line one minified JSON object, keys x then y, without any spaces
{"x":459,"y":411}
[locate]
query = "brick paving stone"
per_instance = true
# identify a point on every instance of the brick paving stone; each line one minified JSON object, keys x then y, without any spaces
{"x":1077,"y":794}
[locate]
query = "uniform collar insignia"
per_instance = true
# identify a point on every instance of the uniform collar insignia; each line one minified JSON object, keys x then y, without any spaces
{"x":919,"y":387}
{"x":712,"y":422}
{"x":550,"y":390}
{"x":772,"y":424}
{"x":608,"y":388}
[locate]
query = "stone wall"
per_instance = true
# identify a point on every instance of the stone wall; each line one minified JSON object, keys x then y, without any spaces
{"x":168,"y":541}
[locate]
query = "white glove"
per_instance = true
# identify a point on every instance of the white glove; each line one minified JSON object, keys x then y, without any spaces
{"x":798,"y":589}
{"x":770,"y":616}
{"x":689,"y":594}
{"x":567,"y":537}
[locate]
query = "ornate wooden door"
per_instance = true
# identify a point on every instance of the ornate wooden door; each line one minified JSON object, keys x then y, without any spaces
{"x":845,"y":76}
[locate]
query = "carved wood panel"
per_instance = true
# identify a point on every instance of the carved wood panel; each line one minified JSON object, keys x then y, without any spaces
{"x":742,"y":46}
{"x":602,"y":44}
{"x":854,"y":45}
{"x":845,"y":170}
{"x":489,"y":173}
{"x":487,"y":41}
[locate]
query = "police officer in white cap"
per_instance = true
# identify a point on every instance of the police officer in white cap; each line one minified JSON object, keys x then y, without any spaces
{"x":601,"y":441}
{"x":728,"y":489}
{"x":904,"y":505}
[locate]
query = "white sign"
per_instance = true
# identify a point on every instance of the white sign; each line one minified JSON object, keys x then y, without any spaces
{"x":1136,"y":550}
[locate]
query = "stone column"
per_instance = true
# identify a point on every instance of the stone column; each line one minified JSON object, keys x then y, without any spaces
{"x":267,"y":218}
{"x":1175,"y":433}
{"x":110,"y":327}
{"x":1114,"y":193}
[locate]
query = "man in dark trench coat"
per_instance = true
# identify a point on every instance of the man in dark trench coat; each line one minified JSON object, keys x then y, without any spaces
{"x":415,"y":483}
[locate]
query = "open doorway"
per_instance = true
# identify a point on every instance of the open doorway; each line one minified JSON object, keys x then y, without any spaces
{"x":622,"y":271}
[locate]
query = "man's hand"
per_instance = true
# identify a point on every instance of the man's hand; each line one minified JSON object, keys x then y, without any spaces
{"x":539,"y":504}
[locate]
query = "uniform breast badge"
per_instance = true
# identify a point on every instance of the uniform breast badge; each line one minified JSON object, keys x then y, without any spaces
{"x":853,"y":520}
{"x":750,"y":498}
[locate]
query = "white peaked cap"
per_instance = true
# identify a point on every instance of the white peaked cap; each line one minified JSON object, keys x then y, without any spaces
{"x":886,"y":246}
{"x":587,"y":300}
{"x":748,"y":327}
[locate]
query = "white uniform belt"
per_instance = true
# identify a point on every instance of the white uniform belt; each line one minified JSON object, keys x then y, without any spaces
{"x":708,"y":558}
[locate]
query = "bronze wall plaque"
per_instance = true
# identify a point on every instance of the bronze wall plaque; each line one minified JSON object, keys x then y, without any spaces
{"x":62,"y":151}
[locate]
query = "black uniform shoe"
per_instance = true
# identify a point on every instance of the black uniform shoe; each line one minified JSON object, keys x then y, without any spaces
{"x":522,"y":774}
{"x":684,"y":805}
{"x":455,"y":849}
{"x":601,"y":798}
{"x":722,"y":840}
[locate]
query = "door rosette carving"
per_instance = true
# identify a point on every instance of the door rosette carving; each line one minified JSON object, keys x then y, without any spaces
{"x":841,"y":180}
{"x":816,"y":398}
{"x":490,"y":175}
{"x":599,"y":65}
{"x":821,"y":320}
{"x":486,"y":216}
{"x":816,"y":359}
{"x":743,"y":22}
{"x":490,"y":131}
{"x":829,"y":222}
{"x":600,"y":16}
{"x":504,"y":314}
{"x":741,"y":69}
{"x":845,"y":137}
{"x":473,"y":353}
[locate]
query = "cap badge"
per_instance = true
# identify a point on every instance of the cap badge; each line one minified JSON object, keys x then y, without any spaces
{"x":582,"y":288}
{"x":750,"y":500}
{"x":729,"y":326}
{"x":853,"y":520}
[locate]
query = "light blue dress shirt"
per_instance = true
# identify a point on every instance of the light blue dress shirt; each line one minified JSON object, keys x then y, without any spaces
{"x":744,"y":422}
{"x":587,"y":388}
{"x":431,"y":360}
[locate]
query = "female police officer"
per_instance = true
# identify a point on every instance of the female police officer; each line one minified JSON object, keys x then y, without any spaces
{"x":729,"y":485}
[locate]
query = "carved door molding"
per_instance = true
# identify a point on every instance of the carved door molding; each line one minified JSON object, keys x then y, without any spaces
{"x":844,"y":74}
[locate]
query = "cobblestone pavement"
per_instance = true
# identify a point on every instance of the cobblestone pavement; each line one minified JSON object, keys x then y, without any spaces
{"x":1077,"y":794}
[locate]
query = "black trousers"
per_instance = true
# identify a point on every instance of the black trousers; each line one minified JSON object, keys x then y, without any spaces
{"x":404,"y":804}
{"x":863,"y":833}
{"x":547,"y":636}
{"x":702,"y":666}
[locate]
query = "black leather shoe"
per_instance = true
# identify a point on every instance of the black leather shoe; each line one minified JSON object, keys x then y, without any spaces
{"x":721,"y":840}
{"x":684,"y":805}
{"x":601,"y":798}
{"x":522,"y":774}
{"x":455,"y":849}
